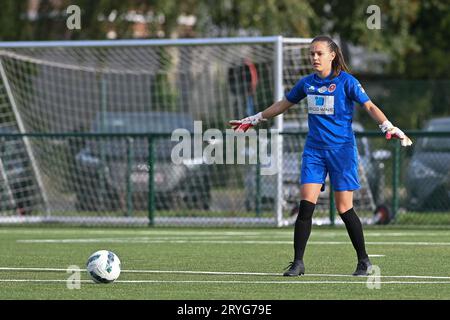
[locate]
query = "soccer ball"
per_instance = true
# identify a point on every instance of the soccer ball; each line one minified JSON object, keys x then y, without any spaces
{"x":103,"y":266}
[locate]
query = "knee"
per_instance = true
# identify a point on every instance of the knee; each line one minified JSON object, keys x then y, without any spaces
{"x":306,"y":210}
{"x":343,"y":208}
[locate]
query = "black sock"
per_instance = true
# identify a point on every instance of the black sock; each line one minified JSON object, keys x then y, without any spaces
{"x":355,"y":231}
{"x":302,"y":228}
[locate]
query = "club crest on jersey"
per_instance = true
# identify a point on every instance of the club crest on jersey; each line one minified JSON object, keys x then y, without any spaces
{"x":322,"y":89}
{"x":331,"y":87}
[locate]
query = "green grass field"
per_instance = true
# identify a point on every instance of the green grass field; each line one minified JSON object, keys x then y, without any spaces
{"x":213,"y":263}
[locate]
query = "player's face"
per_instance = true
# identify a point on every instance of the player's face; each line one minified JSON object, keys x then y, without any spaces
{"x":320,"y":56}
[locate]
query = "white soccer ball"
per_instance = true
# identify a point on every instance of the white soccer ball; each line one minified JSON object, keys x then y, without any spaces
{"x":103,"y":266}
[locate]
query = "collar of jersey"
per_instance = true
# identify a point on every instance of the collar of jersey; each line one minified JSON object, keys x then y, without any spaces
{"x":328,"y":78}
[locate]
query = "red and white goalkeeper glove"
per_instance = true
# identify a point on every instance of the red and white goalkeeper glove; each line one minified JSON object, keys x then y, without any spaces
{"x":393,"y":132}
{"x":246,"y":123}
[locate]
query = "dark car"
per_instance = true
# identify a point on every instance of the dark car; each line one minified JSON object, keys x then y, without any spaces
{"x":428,"y":174}
{"x":113,"y":172}
{"x":18,"y":189}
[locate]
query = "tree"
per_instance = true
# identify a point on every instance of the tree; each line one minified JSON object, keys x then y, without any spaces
{"x":432,"y":30}
{"x":414,"y":33}
{"x":13,"y":24}
{"x":348,"y":20}
{"x":264,"y":17}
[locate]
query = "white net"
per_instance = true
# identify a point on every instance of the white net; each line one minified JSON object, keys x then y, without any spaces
{"x":19,"y":190}
{"x":64,"y":88}
{"x":145,"y":88}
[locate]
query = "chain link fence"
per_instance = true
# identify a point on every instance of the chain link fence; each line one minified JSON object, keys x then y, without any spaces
{"x":130,"y":179}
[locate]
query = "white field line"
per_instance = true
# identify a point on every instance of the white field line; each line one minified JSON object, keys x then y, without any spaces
{"x":150,"y":232}
{"x":192,"y":238}
{"x":270,"y":233}
{"x":170,"y":240}
{"x":289,"y":282}
{"x":219,"y":273}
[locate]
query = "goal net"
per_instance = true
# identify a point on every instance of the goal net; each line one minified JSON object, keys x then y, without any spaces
{"x":87,"y":110}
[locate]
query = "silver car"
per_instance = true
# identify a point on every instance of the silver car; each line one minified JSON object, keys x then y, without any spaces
{"x":428,"y":175}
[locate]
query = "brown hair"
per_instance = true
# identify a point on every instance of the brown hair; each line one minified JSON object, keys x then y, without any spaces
{"x":338,"y":63}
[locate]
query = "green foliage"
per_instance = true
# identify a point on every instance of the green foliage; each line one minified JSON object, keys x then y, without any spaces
{"x":165,"y":97}
{"x":268,"y":17}
{"x":91,"y":27}
{"x":414,"y":34}
{"x":348,"y":20}
{"x":432,"y":30}
{"x":395,"y":97}
{"x":12,"y":24}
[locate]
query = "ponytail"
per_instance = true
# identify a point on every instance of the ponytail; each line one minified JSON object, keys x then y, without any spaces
{"x":338,"y":63}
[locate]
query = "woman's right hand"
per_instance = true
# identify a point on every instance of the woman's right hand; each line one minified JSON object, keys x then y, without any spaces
{"x":394,"y":132}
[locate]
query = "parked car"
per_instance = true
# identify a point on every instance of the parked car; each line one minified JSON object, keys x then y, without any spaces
{"x":370,"y":171}
{"x":18,"y":189}
{"x":428,"y":174}
{"x":113,"y":170}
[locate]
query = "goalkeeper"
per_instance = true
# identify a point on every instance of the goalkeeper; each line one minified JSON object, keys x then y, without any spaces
{"x":330,"y":146}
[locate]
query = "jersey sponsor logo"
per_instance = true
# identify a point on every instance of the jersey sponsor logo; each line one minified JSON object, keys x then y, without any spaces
{"x":331,"y":87}
{"x":322,"y":89}
{"x":361,"y":88}
{"x":318,"y":104}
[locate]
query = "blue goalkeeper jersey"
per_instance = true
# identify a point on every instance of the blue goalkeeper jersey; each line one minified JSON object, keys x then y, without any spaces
{"x":330,"y":108}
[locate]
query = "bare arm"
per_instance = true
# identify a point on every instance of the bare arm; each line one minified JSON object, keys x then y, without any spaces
{"x":276,"y":109}
{"x":374,"y":112}
{"x":272,"y":111}
{"x":385,"y":125}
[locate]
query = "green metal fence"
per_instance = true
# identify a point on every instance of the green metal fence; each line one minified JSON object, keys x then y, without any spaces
{"x":408,"y":186}
{"x":129,"y":179}
{"x":416,"y":184}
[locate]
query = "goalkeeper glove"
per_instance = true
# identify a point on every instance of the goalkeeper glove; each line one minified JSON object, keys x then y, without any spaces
{"x":393,"y":132}
{"x":246,"y":123}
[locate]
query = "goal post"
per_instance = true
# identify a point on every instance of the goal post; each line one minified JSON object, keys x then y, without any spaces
{"x":21,"y":128}
{"x":155,"y":87}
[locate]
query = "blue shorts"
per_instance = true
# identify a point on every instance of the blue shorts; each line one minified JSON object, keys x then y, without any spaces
{"x":341,"y":164}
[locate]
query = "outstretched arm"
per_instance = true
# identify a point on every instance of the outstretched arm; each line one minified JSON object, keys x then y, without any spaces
{"x":375,"y":112}
{"x":272,"y":111}
{"x":385,"y":125}
{"x":277,"y":108}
